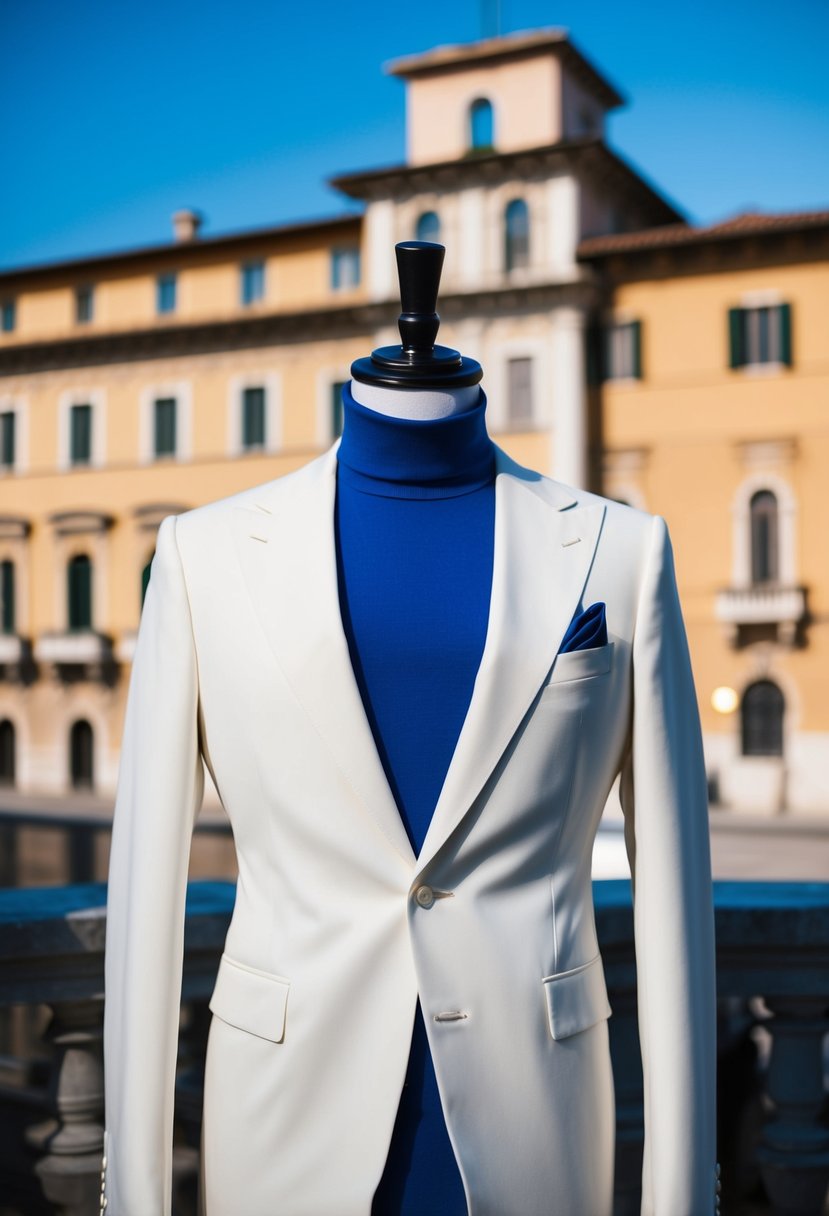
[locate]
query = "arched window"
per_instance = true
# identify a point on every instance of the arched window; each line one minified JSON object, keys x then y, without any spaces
{"x":516,"y":234}
{"x":764,"y":537}
{"x":79,"y":592}
{"x":428,"y":227}
{"x":145,"y":577}
{"x":7,"y":753}
{"x":7,"y":596}
{"x":480,"y":124}
{"x":762,"y":719}
{"x":81,"y":755}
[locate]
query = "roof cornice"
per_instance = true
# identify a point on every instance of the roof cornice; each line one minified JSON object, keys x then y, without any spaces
{"x":523,"y":44}
{"x":205,"y":338}
{"x":173,"y":253}
{"x":590,"y":154}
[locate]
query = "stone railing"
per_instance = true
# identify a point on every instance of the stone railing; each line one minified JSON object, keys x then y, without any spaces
{"x":773,"y":968}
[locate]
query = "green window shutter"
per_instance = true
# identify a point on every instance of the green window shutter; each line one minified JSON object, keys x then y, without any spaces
{"x":636,"y":342}
{"x":337,"y":407}
{"x":593,"y":353}
{"x":145,"y":579}
{"x":253,"y":417}
{"x":785,"y":313}
{"x":80,"y":434}
{"x":7,"y":455}
{"x":735,"y":338}
{"x":7,"y":594}
{"x":80,"y":593}
{"x":165,"y":426}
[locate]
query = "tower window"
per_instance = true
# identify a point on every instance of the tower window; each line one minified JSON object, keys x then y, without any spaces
{"x":480,"y":125}
{"x":516,"y":234}
{"x":345,"y":268}
{"x":428,"y":227}
{"x":519,"y":391}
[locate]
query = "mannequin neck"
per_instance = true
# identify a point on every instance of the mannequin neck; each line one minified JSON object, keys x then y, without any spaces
{"x":415,"y":402}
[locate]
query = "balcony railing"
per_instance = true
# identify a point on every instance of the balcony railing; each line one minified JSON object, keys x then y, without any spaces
{"x":773,"y":1015}
{"x":762,"y":604}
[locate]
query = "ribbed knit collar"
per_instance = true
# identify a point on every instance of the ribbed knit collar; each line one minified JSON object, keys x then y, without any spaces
{"x":414,"y":457}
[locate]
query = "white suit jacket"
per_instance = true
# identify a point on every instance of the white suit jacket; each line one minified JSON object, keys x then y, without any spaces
{"x":337,"y":927}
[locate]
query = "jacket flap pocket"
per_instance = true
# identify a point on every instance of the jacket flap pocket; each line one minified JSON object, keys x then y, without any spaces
{"x":250,"y":999}
{"x":577,"y":998}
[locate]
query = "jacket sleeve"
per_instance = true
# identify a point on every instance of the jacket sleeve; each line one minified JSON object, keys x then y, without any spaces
{"x":664,"y":798}
{"x":158,"y":796}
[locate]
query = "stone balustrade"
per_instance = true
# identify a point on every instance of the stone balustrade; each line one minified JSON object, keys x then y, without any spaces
{"x":773,"y":990}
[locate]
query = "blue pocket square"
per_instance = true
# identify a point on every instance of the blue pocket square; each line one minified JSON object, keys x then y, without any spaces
{"x":588,"y":629}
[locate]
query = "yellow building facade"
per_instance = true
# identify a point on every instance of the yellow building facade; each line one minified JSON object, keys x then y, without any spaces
{"x":718,"y":421}
{"x":149,"y":381}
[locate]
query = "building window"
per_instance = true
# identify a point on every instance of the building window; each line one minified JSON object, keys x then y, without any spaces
{"x":519,"y":391}
{"x":7,"y":439}
{"x":337,"y":407}
{"x":164,"y":422}
{"x":516,"y":235}
{"x":345,"y":268}
{"x":760,"y":335}
{"x":8,"y":315}
{"x":81,"y":747}
{"x":7,"y":613}
{"x":145,"y":578}
{"x":79,"y":592}
{"x":7,"y":753}
{"x":623,"y":350}
{"x":480,"y":125}
{"x":166,"y":292}
{"x":253,"y":418}
{"x":762,"y":719}
{"x":80,"y":434}
{"x":428,"y":227}
{"x":253,"y":281}
{"x":84,"y":298}
{"x":764,"y":537}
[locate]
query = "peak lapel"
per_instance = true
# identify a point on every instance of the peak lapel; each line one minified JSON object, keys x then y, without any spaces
{"x":544,"y":546}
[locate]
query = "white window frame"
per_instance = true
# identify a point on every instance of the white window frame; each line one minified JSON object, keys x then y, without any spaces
{"x":497,"y":377}
{"x":17,"y":404}
{"x":182,"y":390}
{"x":271,"y":381}
{"x":96,"y":398}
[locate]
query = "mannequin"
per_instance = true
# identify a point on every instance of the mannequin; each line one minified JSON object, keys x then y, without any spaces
{"x":415,"y":511}
{"x":297,"y":681}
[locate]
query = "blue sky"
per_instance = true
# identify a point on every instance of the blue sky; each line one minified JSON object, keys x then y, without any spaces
{"x":115,"y":114}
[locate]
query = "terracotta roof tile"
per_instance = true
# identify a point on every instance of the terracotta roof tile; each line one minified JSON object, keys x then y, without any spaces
{"x":745,"y":223}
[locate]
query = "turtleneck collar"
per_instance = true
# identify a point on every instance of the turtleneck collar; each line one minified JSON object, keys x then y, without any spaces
{"x":414,"y":457}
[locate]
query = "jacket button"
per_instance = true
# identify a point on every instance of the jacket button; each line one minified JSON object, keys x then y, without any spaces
{"x":425,"y":896}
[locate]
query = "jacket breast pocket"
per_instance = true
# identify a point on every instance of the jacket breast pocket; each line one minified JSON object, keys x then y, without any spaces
{"x":250,"y":999}
{"x":576,"y":999}
{"x":586,"y":664}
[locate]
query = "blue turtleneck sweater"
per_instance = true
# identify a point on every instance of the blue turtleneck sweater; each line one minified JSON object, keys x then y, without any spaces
{"x":414,"y":521}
